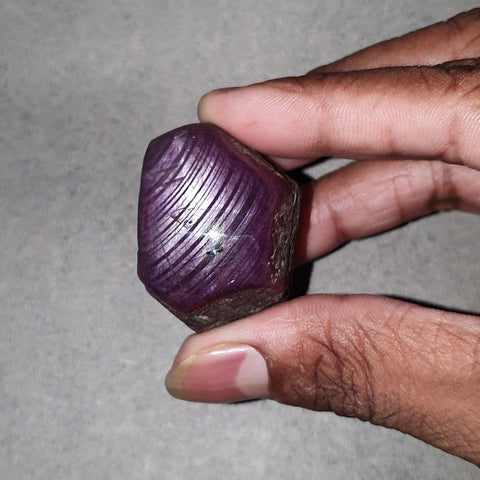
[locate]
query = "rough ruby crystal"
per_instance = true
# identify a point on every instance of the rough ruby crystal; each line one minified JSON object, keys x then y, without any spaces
{"x":216,"y":227}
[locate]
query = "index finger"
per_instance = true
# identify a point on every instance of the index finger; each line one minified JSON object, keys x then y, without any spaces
{"x":398,"y":112}
{"x":454,"y":39}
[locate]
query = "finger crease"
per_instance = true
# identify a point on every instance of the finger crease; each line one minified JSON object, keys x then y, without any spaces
{"x":402,"y":216}
{"x":444,"y":194}
{"x":339,"y":232}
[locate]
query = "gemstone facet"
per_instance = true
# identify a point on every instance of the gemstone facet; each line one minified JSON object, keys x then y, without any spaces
{"x":216,"y":227}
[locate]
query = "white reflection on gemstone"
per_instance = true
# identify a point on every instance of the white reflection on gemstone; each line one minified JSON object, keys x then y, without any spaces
{"x":214,"y":234}
{"x":217,"y":239}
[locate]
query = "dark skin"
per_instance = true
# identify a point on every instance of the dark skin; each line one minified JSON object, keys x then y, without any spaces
{"x":392,"y":363}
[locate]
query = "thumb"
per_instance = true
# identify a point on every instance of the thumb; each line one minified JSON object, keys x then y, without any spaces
{"x":391,"y":363}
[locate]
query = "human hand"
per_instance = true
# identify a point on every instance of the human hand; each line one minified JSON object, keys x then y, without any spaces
{"x":416,"y":131}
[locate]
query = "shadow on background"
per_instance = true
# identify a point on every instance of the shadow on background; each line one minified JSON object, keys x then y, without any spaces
{"x":302,"y":274}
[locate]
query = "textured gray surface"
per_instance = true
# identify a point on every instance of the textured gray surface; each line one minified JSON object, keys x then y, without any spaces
{"x":83,"y":349}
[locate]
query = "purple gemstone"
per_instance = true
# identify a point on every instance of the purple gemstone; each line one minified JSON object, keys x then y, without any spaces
{"x":216,"y":227}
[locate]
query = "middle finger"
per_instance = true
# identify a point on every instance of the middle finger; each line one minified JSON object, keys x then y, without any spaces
{"x":366,"y":198}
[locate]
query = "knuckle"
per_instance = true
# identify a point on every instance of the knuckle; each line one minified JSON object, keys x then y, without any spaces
{"x":346,"y":376}
{"x":443,"y":190}
{"x":461,"y":86}
{"x":338,"y":367}
{"x":354,"y":366}
{"x":373,"y":361}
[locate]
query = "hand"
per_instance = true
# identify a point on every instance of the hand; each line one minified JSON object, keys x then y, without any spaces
{"x":416,"y":130}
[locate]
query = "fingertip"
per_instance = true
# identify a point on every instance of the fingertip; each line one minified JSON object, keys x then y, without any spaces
{"x":207,"y":109}
{"x":254,"y":115}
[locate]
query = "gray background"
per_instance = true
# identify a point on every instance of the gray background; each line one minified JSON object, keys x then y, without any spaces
{"x":83,"y":349}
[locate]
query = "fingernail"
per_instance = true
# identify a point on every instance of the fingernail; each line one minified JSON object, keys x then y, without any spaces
{"x":229,"y":373}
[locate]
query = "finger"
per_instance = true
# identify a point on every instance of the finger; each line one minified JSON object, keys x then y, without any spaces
{"x":365,"y":198}
{"x":391,"y":363}
{"x":408,"y":112}
{"x":455,"y":39}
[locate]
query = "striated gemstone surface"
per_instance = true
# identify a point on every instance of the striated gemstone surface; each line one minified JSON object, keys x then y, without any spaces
{"x":216,"y":227}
